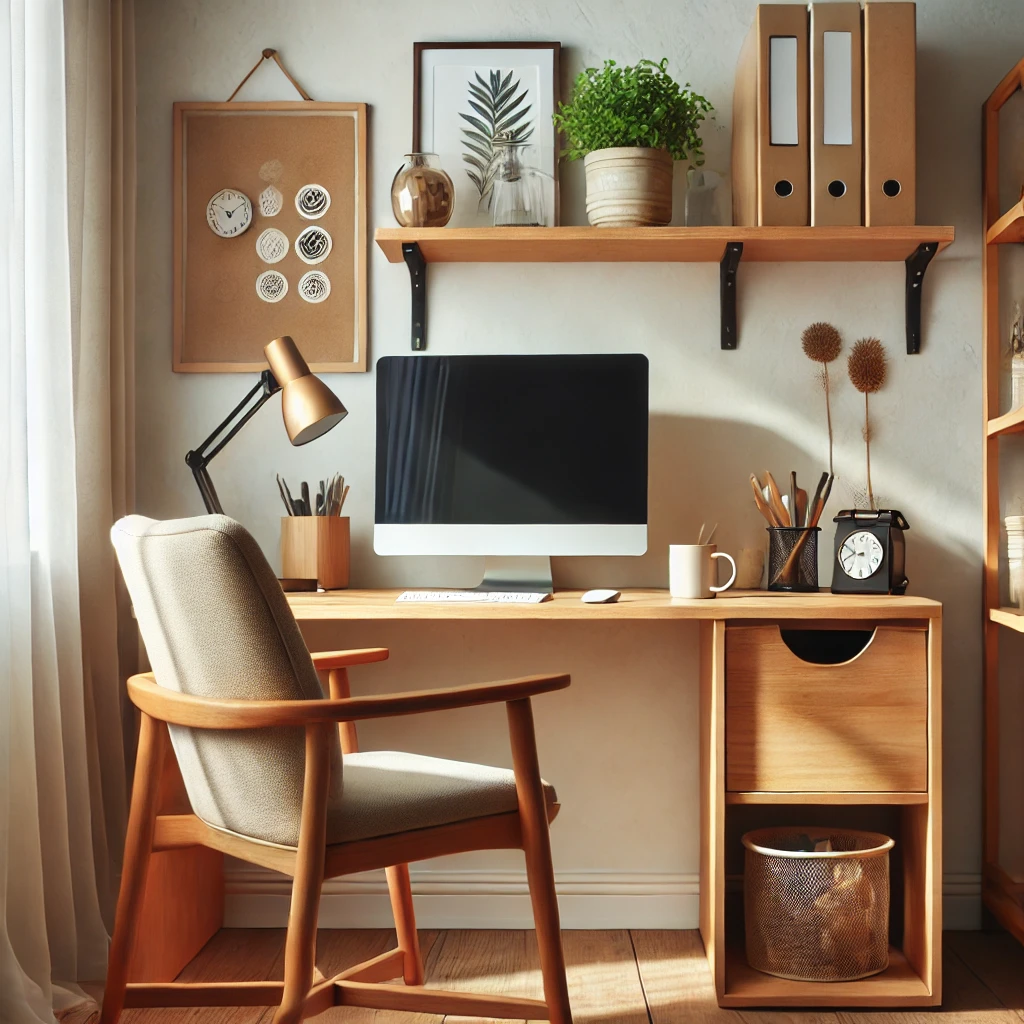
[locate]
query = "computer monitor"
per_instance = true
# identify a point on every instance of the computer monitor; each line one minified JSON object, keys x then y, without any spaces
{"x":512,"y":456}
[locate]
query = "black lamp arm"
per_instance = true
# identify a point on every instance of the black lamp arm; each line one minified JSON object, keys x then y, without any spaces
{"x":198,"y":459}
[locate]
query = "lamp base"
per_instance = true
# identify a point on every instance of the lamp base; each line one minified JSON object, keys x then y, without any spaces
{"x":297,"y":585}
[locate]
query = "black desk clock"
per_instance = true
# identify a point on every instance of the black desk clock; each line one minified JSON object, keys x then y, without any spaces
{"x":870,"y":552}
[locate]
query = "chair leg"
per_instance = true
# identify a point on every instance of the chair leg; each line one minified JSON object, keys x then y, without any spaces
{"x":300,"y":942}
{"x":137,"y":848}
{"x":405,"y":923}
{"x":540,"y":875}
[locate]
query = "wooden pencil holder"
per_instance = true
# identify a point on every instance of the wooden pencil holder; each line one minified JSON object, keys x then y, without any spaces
{"x":316,"y":547}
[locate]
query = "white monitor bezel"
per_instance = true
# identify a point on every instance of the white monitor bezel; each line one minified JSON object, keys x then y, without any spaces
{"x":510,"y":538}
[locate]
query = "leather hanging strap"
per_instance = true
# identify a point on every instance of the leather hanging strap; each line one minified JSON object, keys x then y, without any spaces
{"x":267,"y":55}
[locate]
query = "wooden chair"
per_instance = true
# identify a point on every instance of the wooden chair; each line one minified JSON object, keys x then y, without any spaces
{"x":236,"y":694}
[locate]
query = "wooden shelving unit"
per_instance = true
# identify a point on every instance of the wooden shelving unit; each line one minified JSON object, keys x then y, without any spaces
{"x":898,"y":985}
{"x":759,"y":698}
{"x":1003,"y":897}
{"x":914,"y":246}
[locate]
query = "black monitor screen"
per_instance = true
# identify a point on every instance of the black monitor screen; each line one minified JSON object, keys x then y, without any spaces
{"x":512,"y":439}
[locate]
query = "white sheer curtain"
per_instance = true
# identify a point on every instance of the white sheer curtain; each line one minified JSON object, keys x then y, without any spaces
{"x":65,"y":454}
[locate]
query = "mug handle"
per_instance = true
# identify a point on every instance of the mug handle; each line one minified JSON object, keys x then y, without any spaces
{"x":732,"y":578}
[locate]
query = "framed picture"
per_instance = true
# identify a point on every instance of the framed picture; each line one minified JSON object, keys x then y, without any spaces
{"x":270,"y":234}
{"x":463,"y":93}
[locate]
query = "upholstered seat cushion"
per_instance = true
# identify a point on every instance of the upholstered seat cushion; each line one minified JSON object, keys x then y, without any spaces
{"x":387,"y":791}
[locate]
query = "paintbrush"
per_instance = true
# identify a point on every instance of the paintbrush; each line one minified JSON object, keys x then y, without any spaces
{"x":284,"y":497}
{"x":822,"y":501}
{"x":776,"y":501}
{"x":762,"y":506}
{"x":812,"y":509}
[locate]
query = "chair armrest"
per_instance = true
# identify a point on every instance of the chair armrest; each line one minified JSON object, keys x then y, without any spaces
{"x":324,"y":660}
{"x":215,"y":713}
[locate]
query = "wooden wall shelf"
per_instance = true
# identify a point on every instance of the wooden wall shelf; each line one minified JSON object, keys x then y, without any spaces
{"x":1012,"y":618}
{"x":1009,"y":423}
{"x":726,"y":246}
{"x":659,"y":245}
{"x":1009,"y":227}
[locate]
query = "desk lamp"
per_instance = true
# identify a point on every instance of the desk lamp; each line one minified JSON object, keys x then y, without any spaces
{"x":308,"y":405}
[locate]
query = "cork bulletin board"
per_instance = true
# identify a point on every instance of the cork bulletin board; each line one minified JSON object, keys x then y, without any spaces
{"x":298,"y":266}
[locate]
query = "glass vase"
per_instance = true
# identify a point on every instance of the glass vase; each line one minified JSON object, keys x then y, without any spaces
{"x":701,"y":189}
{"x":519,"y":186}
{"x":422,"y":194}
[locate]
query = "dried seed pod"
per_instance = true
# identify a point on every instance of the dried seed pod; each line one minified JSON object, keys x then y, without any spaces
{"x":821,"y":342}
{"x":867,"y":366}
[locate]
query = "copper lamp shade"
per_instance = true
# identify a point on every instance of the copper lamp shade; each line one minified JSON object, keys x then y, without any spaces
{"x":310,"y":408}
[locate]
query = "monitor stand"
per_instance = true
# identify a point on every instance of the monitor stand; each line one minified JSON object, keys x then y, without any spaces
{"x":519,"y":574}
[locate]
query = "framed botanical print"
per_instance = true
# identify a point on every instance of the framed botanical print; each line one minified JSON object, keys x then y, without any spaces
{"x":478,"y":104}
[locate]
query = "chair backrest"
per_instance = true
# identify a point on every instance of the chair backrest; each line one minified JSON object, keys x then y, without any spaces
{"x":216,"y":624}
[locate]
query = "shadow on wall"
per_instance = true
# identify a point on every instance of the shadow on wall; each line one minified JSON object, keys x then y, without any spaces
{"x":698,"y":473}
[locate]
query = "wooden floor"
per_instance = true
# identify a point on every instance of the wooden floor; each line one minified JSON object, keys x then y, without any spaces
{"x":636,"y":977}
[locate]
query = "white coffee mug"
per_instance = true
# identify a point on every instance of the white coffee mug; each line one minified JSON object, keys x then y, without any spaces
{"x":691,"y":570}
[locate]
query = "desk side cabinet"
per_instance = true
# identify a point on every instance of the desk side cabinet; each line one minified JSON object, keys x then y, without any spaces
{"x":834,"y":722}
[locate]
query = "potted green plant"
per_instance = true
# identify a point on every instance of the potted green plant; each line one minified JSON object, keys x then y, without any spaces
{"x":629,"y":124}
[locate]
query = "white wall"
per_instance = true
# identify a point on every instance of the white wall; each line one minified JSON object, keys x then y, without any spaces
{"x":621,"y":744}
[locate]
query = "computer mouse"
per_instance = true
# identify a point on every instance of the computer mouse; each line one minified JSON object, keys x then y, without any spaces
{"x":600,"y":597}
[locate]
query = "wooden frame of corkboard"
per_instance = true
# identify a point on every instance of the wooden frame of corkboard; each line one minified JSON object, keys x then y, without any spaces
{"x":220,"y":322}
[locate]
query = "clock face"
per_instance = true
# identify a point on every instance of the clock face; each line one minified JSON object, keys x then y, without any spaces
{"x":229,"y":213}
{"x":860,"y":555}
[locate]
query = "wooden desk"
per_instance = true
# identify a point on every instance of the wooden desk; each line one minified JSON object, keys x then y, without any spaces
{"x":884,"y":705}
{"x":634,"y":604}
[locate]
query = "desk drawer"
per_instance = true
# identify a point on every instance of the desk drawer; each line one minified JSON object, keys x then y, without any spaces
{"x":795,"y":726}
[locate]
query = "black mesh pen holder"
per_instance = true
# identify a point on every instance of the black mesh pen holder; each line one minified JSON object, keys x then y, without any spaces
{"x":793,"y":558}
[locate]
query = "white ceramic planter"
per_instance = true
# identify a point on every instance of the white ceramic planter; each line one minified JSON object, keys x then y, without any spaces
{"x":629,"y":187}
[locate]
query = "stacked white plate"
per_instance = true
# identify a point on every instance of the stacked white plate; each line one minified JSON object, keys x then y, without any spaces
{"x":1015,"y":558}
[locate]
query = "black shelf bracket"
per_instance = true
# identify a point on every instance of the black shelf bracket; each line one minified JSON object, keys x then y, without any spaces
{"x":917,"y":263}
{"x":418,"y":284}
{"x":727,"y":289}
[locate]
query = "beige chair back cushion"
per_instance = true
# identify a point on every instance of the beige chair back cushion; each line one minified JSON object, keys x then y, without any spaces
{"x":216,"y":624}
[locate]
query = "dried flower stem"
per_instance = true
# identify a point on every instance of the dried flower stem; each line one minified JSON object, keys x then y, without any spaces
{"x":822,"y":343}
{"x":867,"y":450}
{"x":828,"y":413}
{"x":868,"y":369}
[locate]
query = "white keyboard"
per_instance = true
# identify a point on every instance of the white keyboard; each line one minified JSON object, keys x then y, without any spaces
{"x":471,"y":597}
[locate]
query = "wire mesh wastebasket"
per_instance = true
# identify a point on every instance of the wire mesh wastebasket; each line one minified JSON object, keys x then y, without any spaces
{"x":816,"y":902}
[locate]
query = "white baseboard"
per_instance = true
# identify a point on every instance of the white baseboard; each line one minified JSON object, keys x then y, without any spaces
{"x":476,"y":899}
{"x":472,"y":899}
